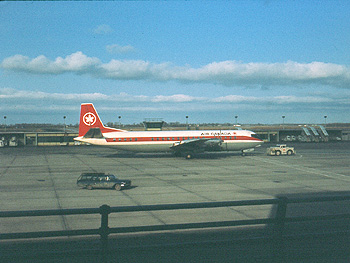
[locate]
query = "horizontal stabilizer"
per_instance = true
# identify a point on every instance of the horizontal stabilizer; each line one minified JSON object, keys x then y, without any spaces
{"x":94,"y":133}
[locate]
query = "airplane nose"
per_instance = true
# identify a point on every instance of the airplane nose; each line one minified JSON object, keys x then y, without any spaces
{"x":259,"y":143}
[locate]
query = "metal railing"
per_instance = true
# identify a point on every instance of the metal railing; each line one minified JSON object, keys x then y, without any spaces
{"x":278,"y":220}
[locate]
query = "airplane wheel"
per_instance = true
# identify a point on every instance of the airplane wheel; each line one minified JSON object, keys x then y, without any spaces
{"x":117,"y":187}
{"x":188,"y":156}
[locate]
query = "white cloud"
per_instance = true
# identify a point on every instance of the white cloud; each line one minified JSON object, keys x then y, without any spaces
{"x":8,"y":94}
{"x":38,"y":104}
{"x":236,"y":99}
{"x":301,"y":100}
{"x":290,"y":99}
{"x":117,"y":49}
{"x":227,"y":73}
{"x":103,"y":30}
{"x":174,"y":98}
{"x":75,"y":63}
{"x":128,"y":70}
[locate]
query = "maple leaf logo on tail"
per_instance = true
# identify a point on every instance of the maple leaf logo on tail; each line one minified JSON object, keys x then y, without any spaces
{"x":89,"y":119}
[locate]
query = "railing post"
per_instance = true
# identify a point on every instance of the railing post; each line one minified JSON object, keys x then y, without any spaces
{"x":279,"y":229}
{"x":105,"y":210}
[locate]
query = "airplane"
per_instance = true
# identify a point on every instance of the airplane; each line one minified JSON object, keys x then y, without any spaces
{"x":181,"y":142}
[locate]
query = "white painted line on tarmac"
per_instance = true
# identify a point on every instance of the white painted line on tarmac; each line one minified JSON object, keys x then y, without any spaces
{"x":303,"y":169}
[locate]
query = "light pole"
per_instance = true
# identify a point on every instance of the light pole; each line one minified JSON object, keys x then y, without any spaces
{"x":187,"y":122}
{"x":283,"y":121}
{"x":236,"y":117}
{"x":5,"y":122}
{"x":120,"y":124}
{"x":325,"y":120}
{"x":64,"y":120}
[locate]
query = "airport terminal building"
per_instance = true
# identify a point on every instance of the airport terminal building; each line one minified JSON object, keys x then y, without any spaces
{"x":272,"y":133}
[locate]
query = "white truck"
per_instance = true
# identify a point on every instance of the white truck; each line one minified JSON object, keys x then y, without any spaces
{"x":280,"y":149}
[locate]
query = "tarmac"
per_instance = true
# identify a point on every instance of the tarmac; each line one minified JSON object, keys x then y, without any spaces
{"x":40,"y":178}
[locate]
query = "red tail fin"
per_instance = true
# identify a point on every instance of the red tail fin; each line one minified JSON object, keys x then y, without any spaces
{"x":90,"y":119}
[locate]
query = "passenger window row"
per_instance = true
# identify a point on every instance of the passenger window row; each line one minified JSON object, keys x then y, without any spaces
{"x":171,"y":139}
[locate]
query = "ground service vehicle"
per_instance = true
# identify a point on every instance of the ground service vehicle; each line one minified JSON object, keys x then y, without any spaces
{"x":280,"y":149}
{"x":102,"y":180}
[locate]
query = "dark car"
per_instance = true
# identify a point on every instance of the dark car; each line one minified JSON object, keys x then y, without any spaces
{"x":101,"y":180}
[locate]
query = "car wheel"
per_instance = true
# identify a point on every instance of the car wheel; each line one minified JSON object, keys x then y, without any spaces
{"x":118,"y":187}
{"x":89,"y":187}
{"x":278,"y":153}
{"x":289,"y":152}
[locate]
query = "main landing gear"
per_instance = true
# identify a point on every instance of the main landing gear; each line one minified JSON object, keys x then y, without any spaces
{"x":187,"y":155}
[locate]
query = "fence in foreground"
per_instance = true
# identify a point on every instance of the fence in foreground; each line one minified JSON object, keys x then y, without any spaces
{"x":278,"y":220}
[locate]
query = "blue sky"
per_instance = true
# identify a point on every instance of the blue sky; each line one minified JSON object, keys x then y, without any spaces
{"x":209,"y":60}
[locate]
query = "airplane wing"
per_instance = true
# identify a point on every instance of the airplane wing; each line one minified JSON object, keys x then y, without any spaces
{"x":197,"y":145}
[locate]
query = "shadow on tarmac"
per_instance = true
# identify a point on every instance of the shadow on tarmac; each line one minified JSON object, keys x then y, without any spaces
{"x":209,"y":155}
{"x":311,"y":241}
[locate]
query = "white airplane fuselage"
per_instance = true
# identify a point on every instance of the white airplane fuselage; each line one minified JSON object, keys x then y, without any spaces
{"x":183,"y":142}
{"x":161,"y":141}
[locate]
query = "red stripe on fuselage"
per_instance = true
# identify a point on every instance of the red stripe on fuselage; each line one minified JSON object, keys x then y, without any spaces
{"x":176,"y":139}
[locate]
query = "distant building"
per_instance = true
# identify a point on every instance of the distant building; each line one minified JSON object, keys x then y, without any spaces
{"x":153,"y":124}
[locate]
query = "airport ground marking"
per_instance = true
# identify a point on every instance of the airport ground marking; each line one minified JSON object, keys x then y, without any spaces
{"x":304,"y":169}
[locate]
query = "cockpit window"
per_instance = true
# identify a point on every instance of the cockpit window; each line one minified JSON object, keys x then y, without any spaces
{"x":254,"y":135}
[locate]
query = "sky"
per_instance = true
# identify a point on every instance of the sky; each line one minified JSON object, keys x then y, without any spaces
{"x":208,"y":60}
